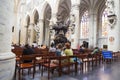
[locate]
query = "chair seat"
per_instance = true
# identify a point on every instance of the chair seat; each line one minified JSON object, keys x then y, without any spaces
{"x":90,"y":59}
{"x":85,"y":59}
{"x":25,"y":65}
{"x":51,"y":65}
{"x":41,"y":61}
{"x":17,"y":58}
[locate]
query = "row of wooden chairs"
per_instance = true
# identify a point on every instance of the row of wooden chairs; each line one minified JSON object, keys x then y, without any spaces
{"x":46,"y":62}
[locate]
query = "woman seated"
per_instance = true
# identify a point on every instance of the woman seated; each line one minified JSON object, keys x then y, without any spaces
{"x":68,"y":51}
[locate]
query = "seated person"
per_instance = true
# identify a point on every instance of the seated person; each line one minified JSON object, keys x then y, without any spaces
{"x":52,"y":48}
{"x":81,"y":49}
{"x":43,"y":47}
{"x":68,"y":51}
{"x":34,"y":44}
{"x":59,"y":50}
{"x":96,"y":50}
{"x":27,"y":51}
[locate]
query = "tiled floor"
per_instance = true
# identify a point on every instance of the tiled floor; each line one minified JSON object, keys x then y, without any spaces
{"x":102,"y":72}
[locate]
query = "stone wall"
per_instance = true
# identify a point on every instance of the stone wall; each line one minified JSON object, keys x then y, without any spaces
{"x":7,"y":58}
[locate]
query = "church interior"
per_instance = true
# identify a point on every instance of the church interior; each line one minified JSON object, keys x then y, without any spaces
{"x":59,"y":39}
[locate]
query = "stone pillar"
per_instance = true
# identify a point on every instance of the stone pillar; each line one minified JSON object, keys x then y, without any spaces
{"x":114,"y":30}
{"x":54,"y":18}
{"x":26,"y":40}
{"x":7,"y":58}
{"x":92,"y":29}
{"x":31,"y":34}
{"x":51,"y":23}
{"x":40,"y":24}
{"x":75,"y":36}
{"x":51,"y":32}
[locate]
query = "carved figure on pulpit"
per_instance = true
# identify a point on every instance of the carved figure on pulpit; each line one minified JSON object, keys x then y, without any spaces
{"x":60,"y":30}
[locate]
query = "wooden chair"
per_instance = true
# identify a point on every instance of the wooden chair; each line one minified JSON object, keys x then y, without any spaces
{"x":82,"y":57}
{"x":40,"y":59}
{"x":60,"y":63}
{"x":23,"y":65}
{"x":37,"y":51}
{"x":49,"y":65}
{"x":18,"y":53}
{"x":115,"y":56}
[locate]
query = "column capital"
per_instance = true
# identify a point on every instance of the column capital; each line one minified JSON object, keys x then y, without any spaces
{"x":26,"y":26}
{"x":54,"y":14}
{"x":40,"y":20}
{"x":31,"y":24}
{"x":54,"y":18}
{"x":75,"y":6}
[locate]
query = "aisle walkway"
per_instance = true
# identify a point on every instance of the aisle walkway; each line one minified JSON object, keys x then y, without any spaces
{"x":102,"y":72}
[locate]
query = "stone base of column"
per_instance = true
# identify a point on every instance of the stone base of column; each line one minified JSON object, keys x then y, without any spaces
{"x":7,"y":66}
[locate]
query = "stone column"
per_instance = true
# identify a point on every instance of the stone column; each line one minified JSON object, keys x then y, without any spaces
{"x":7,"y":58}
{"x":92,"y":29}
{"x":51,"y":32}
{"x":26,"y":40}
{"x":40,"y":24}
{"x":31,"y":34}
{"x":52,"y":21}
{"x":114,"y":30}
{"x":75,"y":36}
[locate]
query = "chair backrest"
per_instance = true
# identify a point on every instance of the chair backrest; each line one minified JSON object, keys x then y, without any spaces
{"x":37,"y":51}
{"x":44,"y":51}
{"x":27,"y":58}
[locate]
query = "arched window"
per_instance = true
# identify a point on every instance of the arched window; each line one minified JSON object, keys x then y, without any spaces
{"x":104,"y":23}
{"x":84,"y":25}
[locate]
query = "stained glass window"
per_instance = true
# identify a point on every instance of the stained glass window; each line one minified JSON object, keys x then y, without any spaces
{"x":104,"y":23}
{"x":84,"y":25}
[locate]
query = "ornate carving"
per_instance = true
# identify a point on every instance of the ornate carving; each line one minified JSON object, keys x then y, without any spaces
{"x":112,"y":18}
{"x":37,"y":29}
{"x":60,"y":30}
{"x":111,"y":39}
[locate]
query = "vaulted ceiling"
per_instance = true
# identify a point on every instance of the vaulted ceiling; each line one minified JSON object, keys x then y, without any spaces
{"x":64,"y":9}
{"x":95,"y":5}
{"x":47,"y":12}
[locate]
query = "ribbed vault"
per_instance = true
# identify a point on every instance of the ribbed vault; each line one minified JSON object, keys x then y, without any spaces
{"x":95,"y":5}
{"x":64,"y":9}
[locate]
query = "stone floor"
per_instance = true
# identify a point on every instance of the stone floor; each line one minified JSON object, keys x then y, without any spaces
{"x":102,"y":72}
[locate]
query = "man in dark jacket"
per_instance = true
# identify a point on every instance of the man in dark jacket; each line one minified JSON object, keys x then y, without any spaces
{"x":28,"y":51}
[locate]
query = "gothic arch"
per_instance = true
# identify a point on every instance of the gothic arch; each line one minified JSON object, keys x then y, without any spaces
{"x":35,"y":17}
{"x":43,"y":8}
{"x":46,"y":28}
{"x":27,"y":20}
